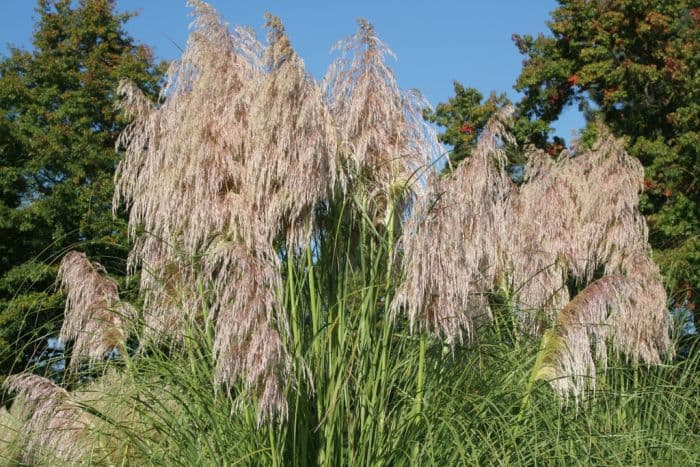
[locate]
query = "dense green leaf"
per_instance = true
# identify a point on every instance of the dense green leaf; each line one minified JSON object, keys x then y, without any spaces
{"x":58,"y":126}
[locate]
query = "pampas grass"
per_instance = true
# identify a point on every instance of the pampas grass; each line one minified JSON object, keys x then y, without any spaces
{"x":54,"y":425}
{"x":314,"y":293}
{"x":478,"y":236}
{"x":383,"y":137}
{"x":452,"y":241}
{"x":96,"y":320}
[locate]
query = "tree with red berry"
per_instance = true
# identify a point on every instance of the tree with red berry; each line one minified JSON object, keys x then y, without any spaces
{"x":464,"y":117}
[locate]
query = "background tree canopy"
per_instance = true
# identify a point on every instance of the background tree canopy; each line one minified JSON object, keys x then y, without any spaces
{"x":634,"y":65}
{"x":58,"y":126}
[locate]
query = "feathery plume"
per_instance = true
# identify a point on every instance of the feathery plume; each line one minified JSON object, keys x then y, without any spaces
{"x":383,"y":135}
{"x":55,"y":426}
{"x":291,"y":160}
{"x":651,"y":324}
{"x":248,"y":342}
{"x":570,"y":218}
{"x":615,"y":309}
{"x":95,"y":319}
{"x":599,"y":226}
{"x":540,"y":243}
{"x":451,"y":241}
{"x":183,"y":166}
{"x":590,"y":220}
{"x":233,"y":161}
{"x":614,"y":179}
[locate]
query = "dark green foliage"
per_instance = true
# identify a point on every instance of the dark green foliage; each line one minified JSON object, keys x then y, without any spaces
{"x":633,"y":64}
{"x":464,"y":117}
{"x":58,"y":126}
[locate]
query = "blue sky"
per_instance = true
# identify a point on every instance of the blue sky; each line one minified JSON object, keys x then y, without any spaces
{"x":436,"y":41}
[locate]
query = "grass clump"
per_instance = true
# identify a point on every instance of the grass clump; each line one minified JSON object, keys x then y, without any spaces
{"x":313,"y":293}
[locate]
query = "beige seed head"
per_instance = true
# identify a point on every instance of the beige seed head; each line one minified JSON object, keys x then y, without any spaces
{"x":95,"y":319}
{"x":55,"y":426}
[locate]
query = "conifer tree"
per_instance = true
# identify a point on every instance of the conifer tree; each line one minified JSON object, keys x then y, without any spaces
{"x":58,"y":126}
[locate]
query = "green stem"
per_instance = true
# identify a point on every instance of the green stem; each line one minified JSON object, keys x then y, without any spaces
{"x":273,"y":445}
{"x":315,"y":312}
{"x":418,"y":404}
{"x":535,"y":371}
